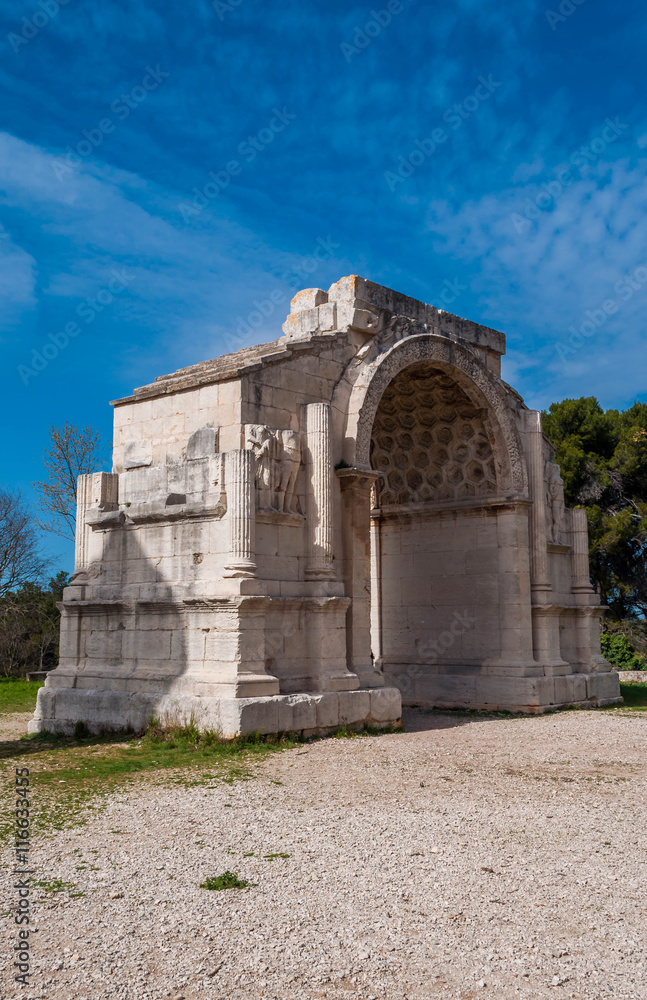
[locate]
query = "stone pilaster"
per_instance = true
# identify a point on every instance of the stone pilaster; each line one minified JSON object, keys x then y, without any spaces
{"x":539,"y":582}
{"x":81,"y":539}
{"x":356,"y":532}
{"x":98,"y":490}
{"x":241,"y":511}
{"x":545,"y":615}
{"x":587,"y":612}
{"x":515,"y":653}
{"x":581,"y":582}
{"x":320,"y":505}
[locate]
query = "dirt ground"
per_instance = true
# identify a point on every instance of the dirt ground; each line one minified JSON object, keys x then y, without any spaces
{"x":468,"y":857}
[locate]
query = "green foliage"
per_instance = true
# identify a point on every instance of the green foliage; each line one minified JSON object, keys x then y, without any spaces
{"x":29,"y":627}
{"x":18,"y":695}
{"x":76,"y":774}
{"x":603,"y":458}
{"x":635,"y":696}
{"x":228,"y":880}
{"x":55,"y":885}
{"x":617,"y":649}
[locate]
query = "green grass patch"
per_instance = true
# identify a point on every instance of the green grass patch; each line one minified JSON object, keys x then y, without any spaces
{"x":55,"y":885}
{"x":70,"y":777}
{"x":228,"y":880}
{"x":273,"y":857}
{"x":348,"y":733}
{"x":634,"y":694}
{"x":18,"y":695}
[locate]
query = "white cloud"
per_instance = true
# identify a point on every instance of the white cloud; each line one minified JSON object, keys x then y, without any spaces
{"x":537,"y":283}
{"x":191,"y":282}
{"x":17,"y":283}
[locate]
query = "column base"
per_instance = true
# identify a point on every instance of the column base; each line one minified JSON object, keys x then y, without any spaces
{"x":475,"y":689}
{"x":319,"y":573}
{"x":342,"y":681}
{"x":243,"y":570}
{"x":59,"y":710}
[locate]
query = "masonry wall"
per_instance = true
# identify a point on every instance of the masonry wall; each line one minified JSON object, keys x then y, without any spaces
{"x":168,"y":421}
{"x":439,"y":589}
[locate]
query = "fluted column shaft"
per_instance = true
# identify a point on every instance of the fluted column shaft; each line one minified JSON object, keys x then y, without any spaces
{"x":320,"y":506}
{"x":581,"y":581}
{"x":241,"y":510}
{"x":83,"y":501}
{"x":540,"y":584}
{"x":100,"y":490}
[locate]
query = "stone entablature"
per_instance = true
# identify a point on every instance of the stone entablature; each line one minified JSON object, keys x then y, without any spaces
{"x":297,"y":535}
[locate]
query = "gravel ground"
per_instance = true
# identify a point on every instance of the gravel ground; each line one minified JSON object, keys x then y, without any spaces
{"x":13,"y":725}
{"x":465,"y":858}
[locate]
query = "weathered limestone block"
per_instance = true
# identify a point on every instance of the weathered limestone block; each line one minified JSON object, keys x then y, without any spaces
{"x":203,"y":443}
{"x":138,"y":454}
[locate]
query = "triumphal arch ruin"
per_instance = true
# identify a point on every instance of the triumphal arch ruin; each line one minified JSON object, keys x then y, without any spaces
{"x":305,"y":533}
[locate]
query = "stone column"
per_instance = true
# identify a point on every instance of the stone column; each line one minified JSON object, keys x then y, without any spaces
{"x":356,"y":529}
{"x":81,"y":539}
{"x":539,"y":582}
{"x":241,"y":510}
{"x":587,"y":612}
{"x":101,"y":491}
{"x":320,"y":507}
{"x":581,"y":582}
{"x":515,"y":653}
{"x":545,"y":616}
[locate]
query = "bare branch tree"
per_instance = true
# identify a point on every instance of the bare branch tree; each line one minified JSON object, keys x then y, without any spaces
{"x":20,"y":560}
{"x":74,"y":452}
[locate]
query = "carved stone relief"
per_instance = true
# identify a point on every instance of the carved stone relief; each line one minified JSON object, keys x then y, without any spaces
{"x":278,"y":457}
{"x":430,"y":442}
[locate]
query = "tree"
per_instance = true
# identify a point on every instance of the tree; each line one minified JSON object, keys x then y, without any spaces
{"x":74,"y":452}
{"x":29,"y":627}
{"x":20,"y":559}
{"x":603,"y":457}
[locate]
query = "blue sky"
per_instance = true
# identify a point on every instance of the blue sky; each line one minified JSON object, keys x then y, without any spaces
{"x":490,"y":158}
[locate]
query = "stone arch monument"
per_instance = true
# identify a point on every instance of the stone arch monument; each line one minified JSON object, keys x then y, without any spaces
{"x":306,"y":533}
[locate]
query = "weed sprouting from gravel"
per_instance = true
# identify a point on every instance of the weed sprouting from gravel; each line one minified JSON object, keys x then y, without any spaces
{"x":55,"y":885}
{"x":228,"y":880}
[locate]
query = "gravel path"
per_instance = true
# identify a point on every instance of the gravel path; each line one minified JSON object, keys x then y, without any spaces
{"x":13,"y":725}
{"x":466,"y":858}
